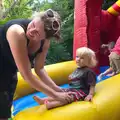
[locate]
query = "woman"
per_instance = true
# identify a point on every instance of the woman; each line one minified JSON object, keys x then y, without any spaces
{"x":21,"y":41}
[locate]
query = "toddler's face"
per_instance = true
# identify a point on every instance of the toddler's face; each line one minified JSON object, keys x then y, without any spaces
{"x":79,"y":60}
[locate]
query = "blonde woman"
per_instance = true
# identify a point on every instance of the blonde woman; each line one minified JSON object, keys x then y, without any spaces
{"x":22,"y":41}
{"x":82,"y":81}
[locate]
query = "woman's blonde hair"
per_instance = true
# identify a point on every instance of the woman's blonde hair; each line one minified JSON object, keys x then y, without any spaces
{"x":87,"y":57}
{"x":52,"y":22}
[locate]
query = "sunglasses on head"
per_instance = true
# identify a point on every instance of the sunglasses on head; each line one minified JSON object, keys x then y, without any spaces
{"x":55,"y":23}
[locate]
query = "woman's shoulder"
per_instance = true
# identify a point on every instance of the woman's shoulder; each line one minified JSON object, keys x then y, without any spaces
{"x":17,"y":24}
{"x":15,"y":32}
{"x":15,"y":29}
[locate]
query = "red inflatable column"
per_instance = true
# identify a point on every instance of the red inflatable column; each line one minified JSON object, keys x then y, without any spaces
{"x":87,"y":25}
{"x":80,"y":25}
{"x":94,"y":15}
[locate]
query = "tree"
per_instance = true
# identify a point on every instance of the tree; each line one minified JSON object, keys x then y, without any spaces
{"x":13,"y":9}
{"x":1,"y":7}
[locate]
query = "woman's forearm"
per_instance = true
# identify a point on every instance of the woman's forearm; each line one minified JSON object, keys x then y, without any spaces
{"x":46,"y":79}
{"x":39,"y":85}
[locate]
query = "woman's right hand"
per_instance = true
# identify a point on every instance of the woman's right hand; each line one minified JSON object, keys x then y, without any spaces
{"x":64,"y":97}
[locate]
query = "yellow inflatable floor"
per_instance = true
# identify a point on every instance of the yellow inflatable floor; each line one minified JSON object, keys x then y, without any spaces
{"x":105,"y":105}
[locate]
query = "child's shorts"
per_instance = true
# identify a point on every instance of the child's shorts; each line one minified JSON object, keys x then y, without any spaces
{"x":115,"y":62}
{"x":79,"y":94}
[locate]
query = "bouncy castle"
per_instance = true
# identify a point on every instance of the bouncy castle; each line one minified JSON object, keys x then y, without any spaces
{"x":92,"y":27}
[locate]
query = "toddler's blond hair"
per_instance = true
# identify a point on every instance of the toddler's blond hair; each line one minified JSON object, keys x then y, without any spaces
{"x":88,"y":57}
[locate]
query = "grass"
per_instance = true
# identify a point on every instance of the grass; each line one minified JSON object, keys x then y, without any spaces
{"x":10,"y":119}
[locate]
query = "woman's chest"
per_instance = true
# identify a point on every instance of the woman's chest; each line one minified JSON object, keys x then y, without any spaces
{"x":33,"y":47}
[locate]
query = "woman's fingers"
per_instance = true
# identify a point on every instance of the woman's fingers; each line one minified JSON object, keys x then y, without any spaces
{"x":70,"y":96}
{"x":72,"y":93}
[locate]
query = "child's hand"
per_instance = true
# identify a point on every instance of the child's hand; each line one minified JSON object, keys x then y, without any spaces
{"x":100,"y":76}
{"x":104,"y":46}
{"x":111,"y":74}
{"x":88,"y":98}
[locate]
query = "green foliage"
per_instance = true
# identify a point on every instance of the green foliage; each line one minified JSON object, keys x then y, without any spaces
{"x":10,"y":119}
{"x":57,"y":52}
{"x":39,"y":6}
{"x":3,"y":21}
{"x":108,"y":3}
{"x":67,"y":32}
{"x":20,"y":9}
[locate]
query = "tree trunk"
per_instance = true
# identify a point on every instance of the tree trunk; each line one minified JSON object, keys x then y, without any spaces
{"x":1,"y":7}
{"x":5,"y":13}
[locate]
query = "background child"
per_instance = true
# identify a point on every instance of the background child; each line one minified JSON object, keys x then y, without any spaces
{"x":82,"y":81}
{"x":111,"y":70}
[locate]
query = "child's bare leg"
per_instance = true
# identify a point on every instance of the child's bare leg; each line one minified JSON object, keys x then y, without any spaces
{"x":54,"y":104}
{"x":51,"y":102}
{"x":42,"y":100}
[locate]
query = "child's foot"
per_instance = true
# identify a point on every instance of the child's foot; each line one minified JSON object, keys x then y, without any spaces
{"x":39,"y":100}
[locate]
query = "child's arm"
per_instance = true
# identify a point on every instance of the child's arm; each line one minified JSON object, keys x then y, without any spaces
{"x":91,"y":93}
{"x":91,"y":80}
{"x":107,"y":71}
{"x":111,"y":74}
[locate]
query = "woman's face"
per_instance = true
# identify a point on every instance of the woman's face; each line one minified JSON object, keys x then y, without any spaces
{"x":35,"y":30}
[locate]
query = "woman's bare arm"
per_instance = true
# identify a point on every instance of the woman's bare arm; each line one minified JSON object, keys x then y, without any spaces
{"x":18,"y":45}
{"x":39,"y":68}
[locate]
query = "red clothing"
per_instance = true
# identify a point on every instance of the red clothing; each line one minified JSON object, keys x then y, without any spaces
{"x":116,"y":48}
{"x":79,"y":94}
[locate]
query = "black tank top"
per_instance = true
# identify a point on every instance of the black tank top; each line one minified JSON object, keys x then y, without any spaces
{"x":4,"y":45}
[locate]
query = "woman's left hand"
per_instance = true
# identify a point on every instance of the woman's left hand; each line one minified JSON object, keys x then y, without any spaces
{"x":88,"y":98}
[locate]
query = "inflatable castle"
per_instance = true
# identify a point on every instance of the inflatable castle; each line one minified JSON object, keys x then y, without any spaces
{"x":92,"y":27}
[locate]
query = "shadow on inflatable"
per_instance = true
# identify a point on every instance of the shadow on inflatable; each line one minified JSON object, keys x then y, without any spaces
{"x":105,"y":105}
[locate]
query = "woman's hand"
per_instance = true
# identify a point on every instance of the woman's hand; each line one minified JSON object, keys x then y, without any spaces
{"x":64,"y":97}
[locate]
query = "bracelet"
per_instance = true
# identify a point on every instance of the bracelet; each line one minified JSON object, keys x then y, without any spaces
{"x":46,"y":101}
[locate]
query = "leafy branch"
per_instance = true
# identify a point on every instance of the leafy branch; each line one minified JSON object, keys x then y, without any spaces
{"x":4,"y":14}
